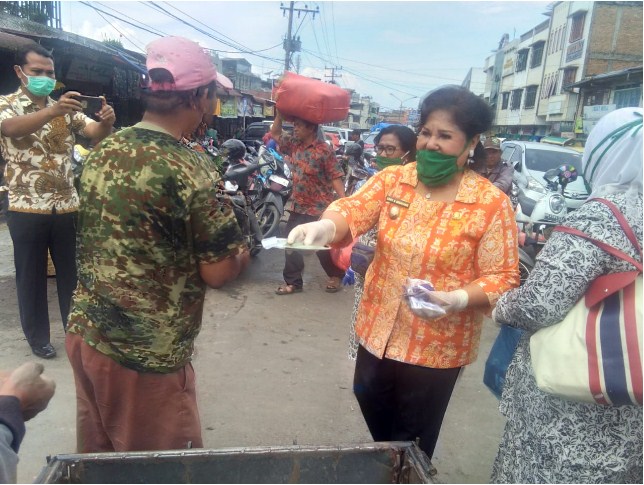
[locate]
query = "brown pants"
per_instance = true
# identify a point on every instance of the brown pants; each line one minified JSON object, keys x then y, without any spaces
{"x":119,"y":409}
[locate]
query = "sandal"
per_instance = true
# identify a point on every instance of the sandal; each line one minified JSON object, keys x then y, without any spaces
{"x":333,"y":285}
{"x":288,"y":290}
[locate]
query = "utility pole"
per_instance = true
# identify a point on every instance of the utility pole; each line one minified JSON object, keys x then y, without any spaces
{"x":333,"y":74}
{"x":292,"y":45}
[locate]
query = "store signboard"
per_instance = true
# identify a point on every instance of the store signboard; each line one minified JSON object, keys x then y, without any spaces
{"x":592,"y":114}
{"x":229,"y":107}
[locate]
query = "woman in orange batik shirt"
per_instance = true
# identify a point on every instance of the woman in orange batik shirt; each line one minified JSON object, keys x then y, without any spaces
{"x":439,"y":221}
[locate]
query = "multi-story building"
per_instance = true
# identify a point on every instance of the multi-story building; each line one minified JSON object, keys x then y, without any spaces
{"x":520,"y":81}
{"x":475,"y":81}
{"x":545,"y":69}
{"x":239,"y":72}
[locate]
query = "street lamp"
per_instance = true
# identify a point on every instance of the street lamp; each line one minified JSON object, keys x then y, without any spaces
{"x":401,"y":105}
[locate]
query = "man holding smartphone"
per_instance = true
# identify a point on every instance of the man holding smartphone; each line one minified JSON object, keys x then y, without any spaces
{"x":37,"y":136}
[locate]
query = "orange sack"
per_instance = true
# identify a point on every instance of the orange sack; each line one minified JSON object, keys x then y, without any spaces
{"x":311,"y":100}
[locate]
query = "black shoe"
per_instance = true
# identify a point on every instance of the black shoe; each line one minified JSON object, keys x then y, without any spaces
{"x":45,"y":352}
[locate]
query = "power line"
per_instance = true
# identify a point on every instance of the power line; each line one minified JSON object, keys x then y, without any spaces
{"x":243,"y":49}
{"x":122,"y":34}
{"x":159,"y":33}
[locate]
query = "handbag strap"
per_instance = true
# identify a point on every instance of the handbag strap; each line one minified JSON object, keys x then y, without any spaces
{"x":628,"y":230}
{"x":607,"y":247}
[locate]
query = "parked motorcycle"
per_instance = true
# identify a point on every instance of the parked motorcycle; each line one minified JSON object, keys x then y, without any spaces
{"x":275,"y":188}
{"x":239,"y":188}
{"x":549,"y":211}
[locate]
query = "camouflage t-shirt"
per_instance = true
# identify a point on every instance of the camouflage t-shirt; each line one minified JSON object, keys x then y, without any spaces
{"x":148,"y":217}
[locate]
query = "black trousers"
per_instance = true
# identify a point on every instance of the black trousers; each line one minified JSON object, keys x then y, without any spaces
{"x":33,"y":235}
{"x":402,"y":402}
{"x":294,"y":264}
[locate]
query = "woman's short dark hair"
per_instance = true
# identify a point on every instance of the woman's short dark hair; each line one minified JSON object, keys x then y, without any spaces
{"x":469,"y":112}
{"x":166,"y":102}
{"x":23,"y":52}
{"x":405,"y":135}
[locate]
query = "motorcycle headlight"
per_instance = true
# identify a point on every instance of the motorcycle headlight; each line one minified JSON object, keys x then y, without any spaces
{"x":557,"y":204}
{"x":536,"y":186}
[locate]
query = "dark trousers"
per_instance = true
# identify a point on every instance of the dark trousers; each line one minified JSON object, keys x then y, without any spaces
{"x":33,"y":235}
{"x":402,"y":402}
{"x":294,"y":264}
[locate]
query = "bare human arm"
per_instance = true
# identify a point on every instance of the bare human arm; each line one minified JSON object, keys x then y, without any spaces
{"x":218,"y":274}
{"x":67,"y":104}
{"x":338,"y":186}
{"x":276,"y":127}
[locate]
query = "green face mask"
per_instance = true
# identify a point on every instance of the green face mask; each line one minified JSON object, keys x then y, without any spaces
{"x":384,"y":162}
{"x":39,"y":85}
{"x":435,"y":169}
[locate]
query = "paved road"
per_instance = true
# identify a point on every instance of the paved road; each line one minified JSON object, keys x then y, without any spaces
{"x":272,"y":370}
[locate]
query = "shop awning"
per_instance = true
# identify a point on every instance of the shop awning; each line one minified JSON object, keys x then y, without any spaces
{"x":555,"y":140}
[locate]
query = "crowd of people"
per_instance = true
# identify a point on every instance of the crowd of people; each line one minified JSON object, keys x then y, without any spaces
{"x":136,"y":247}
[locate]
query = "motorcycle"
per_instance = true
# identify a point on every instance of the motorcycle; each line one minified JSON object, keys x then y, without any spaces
{"x":549,"y":211}
{"x":241,"y":189}
{"x":275,"y":187}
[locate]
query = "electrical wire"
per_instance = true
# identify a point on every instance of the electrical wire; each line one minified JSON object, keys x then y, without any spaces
{"x":138,"y":46}
{"x":159,"y":33}
{"x":207,"y":34}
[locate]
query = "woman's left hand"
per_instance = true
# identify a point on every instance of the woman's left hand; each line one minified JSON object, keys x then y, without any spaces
{"x":450,"y":301}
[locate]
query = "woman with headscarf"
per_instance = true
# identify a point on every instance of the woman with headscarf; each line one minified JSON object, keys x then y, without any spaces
{"x":548,"y":439}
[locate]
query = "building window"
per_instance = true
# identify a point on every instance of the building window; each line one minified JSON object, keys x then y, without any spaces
{"x":530,"y":97}
{"x":568,"y":77}
{"x":515,"y":101}
{"x":522,"y":60}
{"x":577,"y":28}
{"x":537,"y":55}
{"x":504,"y":101}
{"x":549,"y":85}
{"x":598,"y":96}
{"x":627,"y":97}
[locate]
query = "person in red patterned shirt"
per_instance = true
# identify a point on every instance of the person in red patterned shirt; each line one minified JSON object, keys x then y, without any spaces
{"x":316,"y":175}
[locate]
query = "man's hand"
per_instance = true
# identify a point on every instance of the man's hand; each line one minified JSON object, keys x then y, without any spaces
{"x":67,"y":104}
{"x":107,"y":114}
{"x":32,"y":389}
{"x":318,"y":233}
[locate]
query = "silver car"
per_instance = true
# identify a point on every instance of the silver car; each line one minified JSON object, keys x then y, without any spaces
{"x":531,"y":161}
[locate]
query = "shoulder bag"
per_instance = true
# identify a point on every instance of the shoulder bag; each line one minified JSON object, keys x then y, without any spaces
{"x":595,"y":353}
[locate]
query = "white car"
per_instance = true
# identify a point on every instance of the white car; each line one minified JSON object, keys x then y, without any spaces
{"x":531,"y":160}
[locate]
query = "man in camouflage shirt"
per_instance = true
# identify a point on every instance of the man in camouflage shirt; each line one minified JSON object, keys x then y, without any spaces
{"x":151,"y":236}
{"x":316,"y":174}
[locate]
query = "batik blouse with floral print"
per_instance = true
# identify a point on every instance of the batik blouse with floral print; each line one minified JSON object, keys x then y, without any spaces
{"x":470,"y":240}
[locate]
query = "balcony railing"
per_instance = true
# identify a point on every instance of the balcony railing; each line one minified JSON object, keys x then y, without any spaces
{"x":574,"y":50}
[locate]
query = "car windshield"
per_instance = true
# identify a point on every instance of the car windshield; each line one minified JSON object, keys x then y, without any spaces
{"x":544,"y":160}
{"x":369,"y":139}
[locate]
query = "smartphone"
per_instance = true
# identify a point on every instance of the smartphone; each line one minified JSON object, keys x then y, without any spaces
{"x":91,"y":104}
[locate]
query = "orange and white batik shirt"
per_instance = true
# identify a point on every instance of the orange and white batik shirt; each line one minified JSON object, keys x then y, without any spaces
{"x":470,"y":240}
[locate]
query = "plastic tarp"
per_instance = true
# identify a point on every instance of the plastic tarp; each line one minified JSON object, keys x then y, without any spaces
{"x":379,"y":126}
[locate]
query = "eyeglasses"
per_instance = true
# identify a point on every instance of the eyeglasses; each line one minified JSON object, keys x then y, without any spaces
{"x":388,"y":149}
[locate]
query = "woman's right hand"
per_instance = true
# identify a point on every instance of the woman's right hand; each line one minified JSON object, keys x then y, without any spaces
{"x":318,"y":233}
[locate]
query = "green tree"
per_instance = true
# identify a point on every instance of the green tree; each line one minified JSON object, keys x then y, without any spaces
{"x":117,"y":44}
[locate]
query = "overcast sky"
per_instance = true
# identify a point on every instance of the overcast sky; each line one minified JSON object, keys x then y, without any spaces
{"x":384,"y":48}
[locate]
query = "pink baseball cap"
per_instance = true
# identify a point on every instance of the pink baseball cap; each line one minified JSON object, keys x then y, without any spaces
{"x":189,"y":64}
